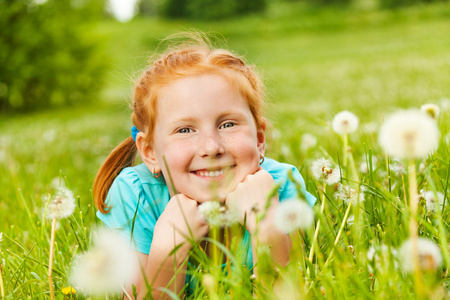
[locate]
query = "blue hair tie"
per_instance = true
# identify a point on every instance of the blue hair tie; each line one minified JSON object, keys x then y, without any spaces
{"x":134,"y":132}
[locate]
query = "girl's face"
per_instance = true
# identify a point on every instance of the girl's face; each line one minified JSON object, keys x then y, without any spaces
{"x":208,"y":137}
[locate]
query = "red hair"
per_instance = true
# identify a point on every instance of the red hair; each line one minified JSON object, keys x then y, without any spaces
{"x":185,"y":60}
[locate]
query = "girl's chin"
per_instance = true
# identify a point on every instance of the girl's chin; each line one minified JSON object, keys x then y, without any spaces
{"x":220,"y":196}
{"x":216,"y":197}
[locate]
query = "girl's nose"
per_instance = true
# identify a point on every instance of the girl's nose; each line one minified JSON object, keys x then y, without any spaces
{"x":211,"y":146}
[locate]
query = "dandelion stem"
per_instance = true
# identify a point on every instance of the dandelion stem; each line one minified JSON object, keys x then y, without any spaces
{"x":2,"y":287}
{"x":347,"y":212}
{"x":316,"y":233}
{"x":345,"y":148}
{"x":354,"y":174}
{"x":214,"y":249}
{"x":413,"y":228}
{"x":50,"y":262}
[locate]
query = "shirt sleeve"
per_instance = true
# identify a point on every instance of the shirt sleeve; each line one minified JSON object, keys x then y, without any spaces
{"x":290,"y":180}
{"x":128,"y":211}
{"x":294,"y":187}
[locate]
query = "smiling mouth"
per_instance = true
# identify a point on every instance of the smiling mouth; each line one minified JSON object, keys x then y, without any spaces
{"x":212,"y":173}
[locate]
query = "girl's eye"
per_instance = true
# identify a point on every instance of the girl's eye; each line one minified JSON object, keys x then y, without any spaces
{"x":227,"y":125}
{"x":184,"y":130}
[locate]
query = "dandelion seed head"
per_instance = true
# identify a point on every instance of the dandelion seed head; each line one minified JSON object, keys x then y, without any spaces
{"x":409,"y":134}
{"x":431,"y":109}
{"x":396,"y":167}
{"x":211,"y":212}
{"x":307,"y":141}
{"x":347,"y":194}
{"x":364,"y":167}
{"x":345,"y":122}
{"x":217,"y":215}
{"x":430,"y":257}
{"x":106,"y":266}
{"x":292,"y":214}
{"x":62,"y":205}
{"x":322,"y":170}
{"x":432,"y":201}
{"x":229,"y":216}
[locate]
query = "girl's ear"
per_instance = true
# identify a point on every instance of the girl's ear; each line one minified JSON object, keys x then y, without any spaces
{"x":147,"y":153}
{"x":261,"y":137}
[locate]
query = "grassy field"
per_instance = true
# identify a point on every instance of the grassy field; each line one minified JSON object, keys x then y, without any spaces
{"x":315,"y":63}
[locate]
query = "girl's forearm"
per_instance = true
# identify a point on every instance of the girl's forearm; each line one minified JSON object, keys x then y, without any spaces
{"x":166,"y":270}
{"x":279,"y":243}
{"x":265,"y":232}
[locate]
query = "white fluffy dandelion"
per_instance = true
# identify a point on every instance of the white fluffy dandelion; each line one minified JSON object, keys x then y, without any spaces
{"x":430,"y":257}
{"x":396,"y":167}
{"x":307,"y":141}
{"x":431,"y":109}
{"x":323,"y":170}
{"x":106,"y":266}
{"x":62,"y":205}
{"x":347,"y":194}
{"x":345,"y":122}
{"x":292,"y":214}
{"x":229,"y":215}
{"x":409,"y":134}
{"x":364,"y":166}
{"x":432,"y":201}
{"x":217,"y":215}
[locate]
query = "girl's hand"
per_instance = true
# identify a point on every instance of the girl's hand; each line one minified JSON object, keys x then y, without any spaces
{"x":180,"y":222}
{"x":249,"y":199}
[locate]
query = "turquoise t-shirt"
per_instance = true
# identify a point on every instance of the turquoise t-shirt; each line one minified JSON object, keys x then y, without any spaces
{"x":136,"y":195}
{"x":137,"y":199}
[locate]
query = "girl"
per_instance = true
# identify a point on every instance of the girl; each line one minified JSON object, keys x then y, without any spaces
{"x":200,"y":132}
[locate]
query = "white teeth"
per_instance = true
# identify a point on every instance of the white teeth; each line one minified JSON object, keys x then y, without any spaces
{"x":211,"y":173}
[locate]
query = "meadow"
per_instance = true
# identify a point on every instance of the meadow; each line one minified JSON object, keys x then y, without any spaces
{"x":316,"y":62}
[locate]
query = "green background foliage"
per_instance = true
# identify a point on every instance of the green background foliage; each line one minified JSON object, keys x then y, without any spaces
{"x":48,"y":56}
{"x":315,"y":62}
{"x":209,"y":9}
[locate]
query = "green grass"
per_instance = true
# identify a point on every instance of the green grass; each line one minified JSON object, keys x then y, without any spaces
{"x":315,"y":63}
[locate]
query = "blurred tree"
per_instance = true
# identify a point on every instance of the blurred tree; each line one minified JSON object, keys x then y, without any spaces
{"x":401,"y":3}
{"x":147,"y":8}
{"x":48,"y":55}
{"x":208,"y":9}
